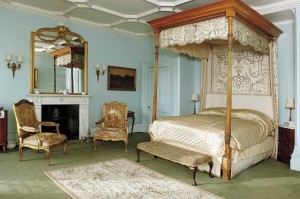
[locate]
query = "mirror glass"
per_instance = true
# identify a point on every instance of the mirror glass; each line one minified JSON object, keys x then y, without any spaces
{"x":58,"y":61}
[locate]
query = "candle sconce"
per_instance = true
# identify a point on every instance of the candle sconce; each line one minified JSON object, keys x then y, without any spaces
{"x":13,"y":66}
{"x":100,"y":71}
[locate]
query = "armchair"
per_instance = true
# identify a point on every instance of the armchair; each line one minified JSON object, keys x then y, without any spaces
{"x":114,"y":124}
{"x":28,"y":128}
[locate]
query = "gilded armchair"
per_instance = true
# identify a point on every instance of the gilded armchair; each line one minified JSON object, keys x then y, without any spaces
{"x":28,"y":128}
{"x":114,"y":126}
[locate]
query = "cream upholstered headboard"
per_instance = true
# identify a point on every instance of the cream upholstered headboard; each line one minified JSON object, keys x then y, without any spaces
{"x":250,"y":81}
{"x":262,"y":103}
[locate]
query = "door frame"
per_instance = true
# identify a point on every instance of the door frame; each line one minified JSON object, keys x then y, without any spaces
{"x":144,"y":92}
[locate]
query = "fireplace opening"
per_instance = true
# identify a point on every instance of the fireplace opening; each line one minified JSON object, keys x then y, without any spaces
{"x":66,"y":115}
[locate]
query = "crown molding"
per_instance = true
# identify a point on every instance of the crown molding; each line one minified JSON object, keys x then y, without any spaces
{"x":277,"y":7}
{"x":284,"y":22}
{"x":162,"y":6}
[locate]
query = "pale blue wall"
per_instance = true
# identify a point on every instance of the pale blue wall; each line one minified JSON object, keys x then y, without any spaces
{"x":286,"y":70}
{"x":188,"y":81}
{"x":104,"y":48}
{"x":112,"y":49}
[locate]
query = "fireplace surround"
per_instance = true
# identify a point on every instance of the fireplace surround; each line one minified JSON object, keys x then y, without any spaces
{"x":55,"y":99}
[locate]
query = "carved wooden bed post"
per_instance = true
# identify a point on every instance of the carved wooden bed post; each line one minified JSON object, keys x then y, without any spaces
{"x":154,"y":108}
{"x":226,"y":163}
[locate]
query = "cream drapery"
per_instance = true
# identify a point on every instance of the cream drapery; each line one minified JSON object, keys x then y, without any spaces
{"x":65,"y":60}
{"x":200,"y":51}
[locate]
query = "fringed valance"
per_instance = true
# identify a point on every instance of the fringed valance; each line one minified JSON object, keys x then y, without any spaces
{"x":210,"y":31}
{"x":65,"y":60}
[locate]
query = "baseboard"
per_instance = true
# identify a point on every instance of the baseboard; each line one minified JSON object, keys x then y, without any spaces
{"x":295,"y":161}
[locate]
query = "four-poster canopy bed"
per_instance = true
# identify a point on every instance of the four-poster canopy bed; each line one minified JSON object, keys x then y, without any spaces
{"x":249,"y":40}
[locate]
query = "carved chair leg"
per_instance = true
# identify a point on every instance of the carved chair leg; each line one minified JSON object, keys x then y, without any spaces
{"x":126,"y":146}
{"x":94,"y":140}
{"x":210,"y":168}
{"x":65,"y":147}
{"x":138,"y":154}
{"x":48,"y":153}
{"x":20,"y":153}
{"x":194,"y":170}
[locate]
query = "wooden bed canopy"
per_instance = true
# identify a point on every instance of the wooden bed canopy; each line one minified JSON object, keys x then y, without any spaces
{"x":235,"y":12}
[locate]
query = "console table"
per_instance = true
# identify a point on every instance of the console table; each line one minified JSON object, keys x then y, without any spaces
{"x":131,"y":114}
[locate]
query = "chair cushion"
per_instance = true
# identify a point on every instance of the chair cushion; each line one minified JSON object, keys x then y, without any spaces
{"x":113,"y":133}
{"x":47,"y":139}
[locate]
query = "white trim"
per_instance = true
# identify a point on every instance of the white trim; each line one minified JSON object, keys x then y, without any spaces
{"x":284,"y":22}
{"x":162,"y":6}
{"x":277,"y":7}
{"x":295,"y":159}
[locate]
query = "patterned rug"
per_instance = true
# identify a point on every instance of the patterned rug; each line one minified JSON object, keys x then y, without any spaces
{"x":122,"y":178}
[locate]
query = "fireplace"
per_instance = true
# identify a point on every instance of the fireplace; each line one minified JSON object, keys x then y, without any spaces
{"x":56,"y":107}
{"x":66,"y":115}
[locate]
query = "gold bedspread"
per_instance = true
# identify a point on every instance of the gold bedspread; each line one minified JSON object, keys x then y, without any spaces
{"x":206,"y":129}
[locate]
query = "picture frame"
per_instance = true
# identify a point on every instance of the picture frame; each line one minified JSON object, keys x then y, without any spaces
{"x":121,"y":78}
{"x":35,"y":83}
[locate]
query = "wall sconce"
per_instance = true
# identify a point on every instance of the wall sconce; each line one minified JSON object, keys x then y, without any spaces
{"x":195,"y":99}
{"x":100,"y":71}
{"x":13,"y":66}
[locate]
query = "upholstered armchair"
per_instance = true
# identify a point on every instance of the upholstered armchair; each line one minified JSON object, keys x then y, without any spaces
{"x":113,"y":126}
{"x":28,"y":128}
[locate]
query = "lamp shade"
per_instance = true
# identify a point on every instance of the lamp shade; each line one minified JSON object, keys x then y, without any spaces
{"x":96,"y":66}
{"x":194,"y":97}
{"x":290,"y":103}
{"x":8,"y":57}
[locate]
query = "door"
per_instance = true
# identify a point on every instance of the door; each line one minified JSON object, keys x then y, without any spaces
{"x":164,"y":93}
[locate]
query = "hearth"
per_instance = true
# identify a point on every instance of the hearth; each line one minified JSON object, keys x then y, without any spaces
{"x":66,"y":115}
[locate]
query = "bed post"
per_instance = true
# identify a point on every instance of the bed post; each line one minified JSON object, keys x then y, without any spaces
{"x":203,"y":83}
{"x":155,"y":75}
{"x":274,"y":92}
{"x":226,"y":163}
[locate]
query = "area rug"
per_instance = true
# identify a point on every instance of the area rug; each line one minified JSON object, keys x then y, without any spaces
{"x":122,"y":178}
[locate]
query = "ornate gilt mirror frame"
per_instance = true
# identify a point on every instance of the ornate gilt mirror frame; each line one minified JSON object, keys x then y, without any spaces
{"x":58,"y":61}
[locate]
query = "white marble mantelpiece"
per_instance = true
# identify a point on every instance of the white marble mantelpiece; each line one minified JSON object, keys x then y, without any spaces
{"x":60,"y":99}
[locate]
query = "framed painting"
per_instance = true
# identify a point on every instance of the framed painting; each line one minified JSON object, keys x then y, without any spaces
{"x":121,"y":79}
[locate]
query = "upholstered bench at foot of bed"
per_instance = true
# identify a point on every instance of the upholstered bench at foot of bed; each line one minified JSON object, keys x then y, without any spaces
{"x":175,"y":154}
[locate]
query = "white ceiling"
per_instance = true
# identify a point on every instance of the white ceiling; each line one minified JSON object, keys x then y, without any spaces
{"x":131,"y":16}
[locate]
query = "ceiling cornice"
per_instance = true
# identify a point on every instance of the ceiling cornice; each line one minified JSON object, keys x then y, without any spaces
{"x":162,"y":6}
{"x":277,"y":7}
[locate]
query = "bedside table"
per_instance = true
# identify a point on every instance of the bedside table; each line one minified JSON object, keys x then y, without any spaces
{"x":286,"y":142}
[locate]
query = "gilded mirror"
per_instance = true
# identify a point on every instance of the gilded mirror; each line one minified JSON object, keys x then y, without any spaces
{"x":58,"y":61}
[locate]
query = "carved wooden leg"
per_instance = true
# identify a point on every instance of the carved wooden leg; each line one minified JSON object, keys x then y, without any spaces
{"x":138,"y":154}
{"x":94,"y":140}
{"x":210,"y":168}
{"x":48,"y":153}
{"x":20,"y":153}
{"x":4,"y":148}
{"x":65,"y":147}
{"x":126,"y":145}
{"x":194,"y":170}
